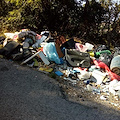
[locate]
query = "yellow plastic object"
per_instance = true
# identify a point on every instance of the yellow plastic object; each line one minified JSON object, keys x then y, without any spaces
{"x":36,"y":63}
{"x":91,"y":53}
{"x":41,"y":68}
{"x":1,"y":46}
{"x":49,"y":70}
{"x":46,"y":69}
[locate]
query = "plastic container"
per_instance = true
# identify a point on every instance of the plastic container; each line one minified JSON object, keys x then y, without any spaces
{"x":89,"y":46}
{"x":115,"y":65}
{"x":92,"y":54}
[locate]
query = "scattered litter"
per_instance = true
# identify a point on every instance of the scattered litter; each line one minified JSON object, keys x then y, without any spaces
{"x":103,"y":97}
{"x":58,"y":73}
{"x":96,"y":70}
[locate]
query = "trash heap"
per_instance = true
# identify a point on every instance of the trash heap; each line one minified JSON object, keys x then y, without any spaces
{"x":97,"y":68}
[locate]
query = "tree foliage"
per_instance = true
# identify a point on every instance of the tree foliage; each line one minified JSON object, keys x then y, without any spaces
{"x":92,"y":21}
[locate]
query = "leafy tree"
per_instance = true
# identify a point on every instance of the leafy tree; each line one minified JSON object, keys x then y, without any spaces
{"x":111,"y":21}
{"x":92,"y":21}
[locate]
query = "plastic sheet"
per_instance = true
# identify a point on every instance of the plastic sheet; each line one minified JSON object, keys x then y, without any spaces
{"x":50,"y":51}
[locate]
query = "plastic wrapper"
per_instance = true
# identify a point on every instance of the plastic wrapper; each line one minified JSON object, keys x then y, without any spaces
{"x":50,"y":51}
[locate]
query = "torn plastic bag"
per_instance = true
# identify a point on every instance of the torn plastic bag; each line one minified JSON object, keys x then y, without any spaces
{"x":50,"y":51}
{"x":76,"y":58}
{"x":104,"y":66}
{"x":80,"y":47}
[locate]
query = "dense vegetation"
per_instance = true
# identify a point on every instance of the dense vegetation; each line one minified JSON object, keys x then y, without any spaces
{"x":98,"y":22}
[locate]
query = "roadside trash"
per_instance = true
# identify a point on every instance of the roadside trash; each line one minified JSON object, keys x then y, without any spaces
{"x":51,"y":53}
{"x":9,"y":48}
{"x":114,"y":87}
{"x":70,"y":44}
{"x":5,"y":42}
{"x":2,"y":38}
{"x":105,"y":67}
{"x":89,"y":87}
{"x":58,"y":73}
{"x":76,"y":58}
{"x":80,"y":47}
{"x":36,"y":63}
{"x":9,"y":35}
{"x":83,"y":75}
{"x":101,"y":48}
{"x":46,"y":33}
{"x":96,"y":91}
{"x":1,"y":46}
{"x":59,"y":51}
{"x":46,"y":69}
{"x":116,"y":51}
{"x":115,"y":65}
{"x":103,"y":97}
{"x":41,"y":55}
{"x":106,"y":58}
{"x":87,"y":81}
{"x":95,"y":69}
{"x":89,"y":46}
{"x":97,"y":54}
{"x":38,"y":42}
{"x":99,"y":76}
{"x":71,"y":80}
{"x":73,"y":76}
{"x":92,"y":54}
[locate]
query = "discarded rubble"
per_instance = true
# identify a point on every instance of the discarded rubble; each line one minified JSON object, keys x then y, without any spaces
{"x":83,"y":70}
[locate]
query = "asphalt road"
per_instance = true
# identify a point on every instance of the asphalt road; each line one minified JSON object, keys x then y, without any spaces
{"x":26,"y":94}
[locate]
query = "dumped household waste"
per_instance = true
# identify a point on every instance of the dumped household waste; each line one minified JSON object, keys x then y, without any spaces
{"x":97,"y":68}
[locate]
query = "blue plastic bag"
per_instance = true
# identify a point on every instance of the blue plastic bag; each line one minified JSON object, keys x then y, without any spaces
{"x":50,"y":51}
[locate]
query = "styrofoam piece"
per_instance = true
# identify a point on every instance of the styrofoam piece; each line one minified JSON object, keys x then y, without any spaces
{"x":43,"y":57}
{"x":89,"y":46}
{"x":99,"y":76}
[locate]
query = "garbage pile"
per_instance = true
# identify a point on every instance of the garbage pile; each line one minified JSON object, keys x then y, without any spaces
{"x":98,"y":68}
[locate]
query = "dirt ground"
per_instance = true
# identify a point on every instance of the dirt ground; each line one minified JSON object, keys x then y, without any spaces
{"x":79,"y":93}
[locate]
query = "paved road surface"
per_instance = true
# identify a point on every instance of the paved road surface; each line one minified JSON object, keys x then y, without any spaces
{"x":26,"y":94}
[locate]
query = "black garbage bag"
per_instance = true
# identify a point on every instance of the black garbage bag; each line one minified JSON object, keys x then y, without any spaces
{"x":70,"y":44}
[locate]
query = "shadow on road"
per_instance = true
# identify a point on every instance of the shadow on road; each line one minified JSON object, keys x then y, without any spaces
{"x":26,"y":94}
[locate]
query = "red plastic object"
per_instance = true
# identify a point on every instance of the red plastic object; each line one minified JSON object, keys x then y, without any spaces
{"x":104,"y":66}
{"x":38,"y":37}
